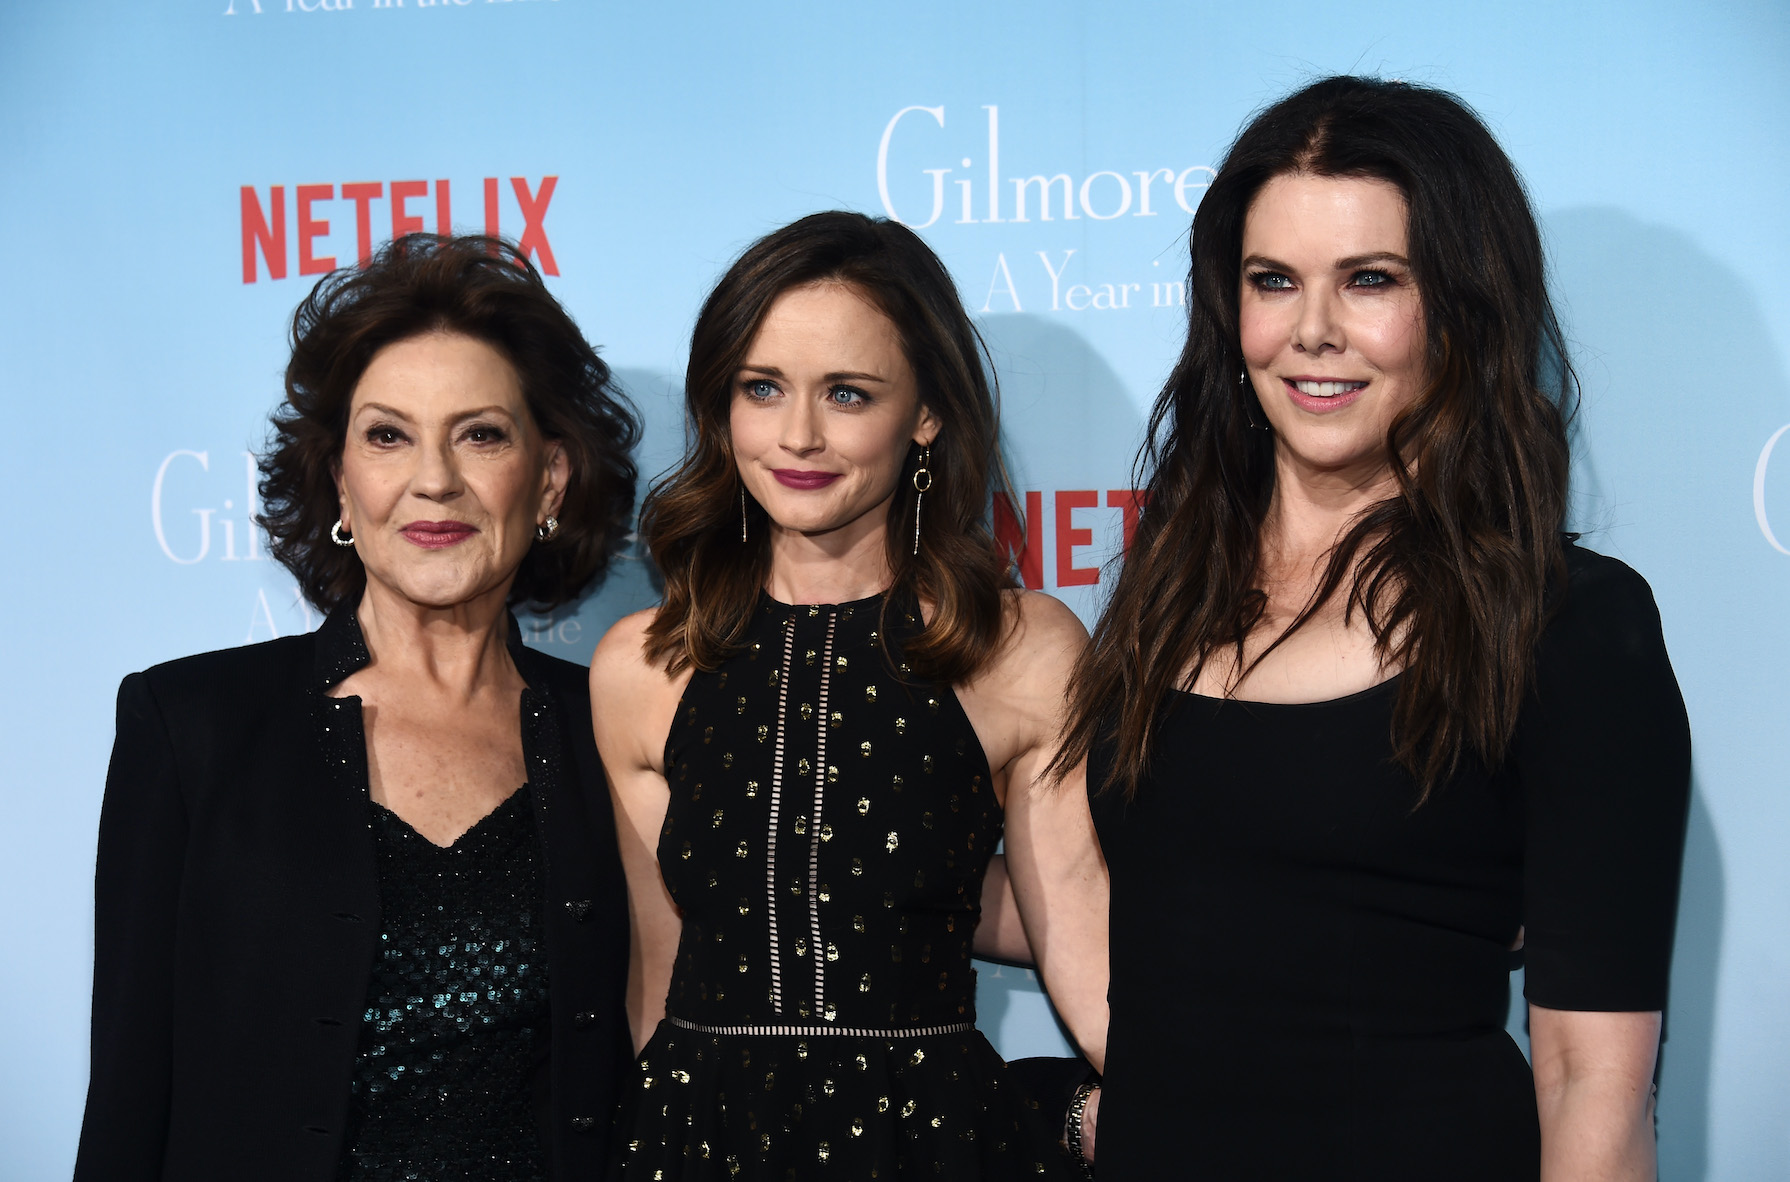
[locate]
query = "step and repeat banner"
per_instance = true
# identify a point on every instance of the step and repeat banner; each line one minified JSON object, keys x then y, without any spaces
{"x":179,"y":172}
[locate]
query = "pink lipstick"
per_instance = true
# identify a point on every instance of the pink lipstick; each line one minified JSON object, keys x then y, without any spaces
{"x":1322,"y":395}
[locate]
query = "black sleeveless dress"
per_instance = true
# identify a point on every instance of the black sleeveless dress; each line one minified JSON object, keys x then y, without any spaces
{"x":1310,"y":970}
{"x":831,"y":818}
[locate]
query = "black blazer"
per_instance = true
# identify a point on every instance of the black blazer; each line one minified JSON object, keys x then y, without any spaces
{"x":237,"y":912}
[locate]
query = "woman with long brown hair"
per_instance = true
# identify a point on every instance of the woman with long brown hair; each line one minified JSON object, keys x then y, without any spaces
{"x":816,"y":741}
{"x":1360,"y":716}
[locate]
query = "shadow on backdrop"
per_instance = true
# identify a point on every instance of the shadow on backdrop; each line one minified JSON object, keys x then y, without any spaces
{"x":1655,"y":322}
{"x":1684,"y":1066}
{"x":1067,"y":422}
{"x":632,"y":583}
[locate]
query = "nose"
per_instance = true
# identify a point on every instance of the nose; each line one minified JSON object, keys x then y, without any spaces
{"x":1318,"y":328}
{"x":437,"y":476}
{"x":800,"y":433}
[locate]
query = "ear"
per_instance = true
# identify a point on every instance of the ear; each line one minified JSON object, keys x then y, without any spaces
{"x":928,"y":427}
{"x":335,"y":474}
{"x":557,"y":473}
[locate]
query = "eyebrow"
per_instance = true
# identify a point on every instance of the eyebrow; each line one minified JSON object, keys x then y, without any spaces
{"x":394,"y":412}
{"x":1351,"y":263}
{"x":842,"y":375}
{"x":1368,"y":260}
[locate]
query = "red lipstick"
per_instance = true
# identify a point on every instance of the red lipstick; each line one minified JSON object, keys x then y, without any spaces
{"x":436,"y":535}
{"x":803,"y":479}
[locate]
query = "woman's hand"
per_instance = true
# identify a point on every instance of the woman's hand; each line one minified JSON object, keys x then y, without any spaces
{"x":1090,"y":1115}
{"x":1594,"y":1094}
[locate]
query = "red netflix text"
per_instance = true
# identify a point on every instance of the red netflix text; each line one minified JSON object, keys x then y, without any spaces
{"x":1020,"y":532}
{"x":264,"y":239}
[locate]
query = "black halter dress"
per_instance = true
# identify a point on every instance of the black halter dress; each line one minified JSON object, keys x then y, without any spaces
{"x":831,"y":819}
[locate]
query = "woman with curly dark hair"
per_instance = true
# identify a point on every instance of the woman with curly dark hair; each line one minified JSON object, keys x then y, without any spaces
{"x":359,"y":912}
{"x":1360,"y":717}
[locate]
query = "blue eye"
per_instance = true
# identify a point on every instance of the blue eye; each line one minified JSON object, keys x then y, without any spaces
{"x":1371,"y":279}
{"x":759,"y":389}
{"x":1270,"y":281}
{"x":847,"y":396}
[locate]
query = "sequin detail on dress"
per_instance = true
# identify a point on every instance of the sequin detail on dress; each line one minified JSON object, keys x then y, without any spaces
{"x":457,"y":1013}
{"x":830,"y":821}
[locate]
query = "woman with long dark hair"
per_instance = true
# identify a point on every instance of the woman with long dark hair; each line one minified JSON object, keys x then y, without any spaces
{"x":817,"y":739}
{"x":1360,"y":716}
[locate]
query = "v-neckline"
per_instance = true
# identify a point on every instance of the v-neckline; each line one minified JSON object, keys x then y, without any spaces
{"x":461,"y":841}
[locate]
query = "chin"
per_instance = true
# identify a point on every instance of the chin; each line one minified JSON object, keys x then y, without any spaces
{"x":439,"y":594}
{"x":808,"y":526}
{"x":1329,"y":449}
{"x":809,"y":518}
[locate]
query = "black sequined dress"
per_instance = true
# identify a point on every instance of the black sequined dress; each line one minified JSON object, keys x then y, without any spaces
{"x":831,"y":819}
{"x":455,"y":1028}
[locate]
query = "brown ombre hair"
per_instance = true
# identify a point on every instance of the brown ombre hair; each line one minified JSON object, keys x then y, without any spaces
{"x":1452,"y":573}
{"x":691,"y":518}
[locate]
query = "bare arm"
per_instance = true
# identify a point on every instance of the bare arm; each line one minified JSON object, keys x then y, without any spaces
{"x":1594,"y":1093}
{"x":1000,"y":934}
{"x":632,"y":705}
{"x":1053,"y":856}
{"x":1059,"y":881}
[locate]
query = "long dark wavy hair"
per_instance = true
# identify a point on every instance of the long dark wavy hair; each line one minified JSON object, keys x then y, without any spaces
{"x":1452,"y":572}
{"x":691,"y":518}
{"x":479,"y":287}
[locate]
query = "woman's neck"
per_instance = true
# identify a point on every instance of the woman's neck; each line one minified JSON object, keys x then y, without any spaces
{"x":1312,"y":509}
{"x":460,"y":650}
{"x":837,"y":566}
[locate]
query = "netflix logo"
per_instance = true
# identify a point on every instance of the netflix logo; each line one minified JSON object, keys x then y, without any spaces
{"x":1021,"y":533}
{"x":405,"y":203}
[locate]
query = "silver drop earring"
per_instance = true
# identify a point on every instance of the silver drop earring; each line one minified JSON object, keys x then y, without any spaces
{"x":920,"y":490}
{"x":1248,"y":417}
{"x":742,"y":513}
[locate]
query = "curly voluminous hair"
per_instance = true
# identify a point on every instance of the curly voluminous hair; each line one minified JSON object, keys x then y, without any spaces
{"x":485,"y":289}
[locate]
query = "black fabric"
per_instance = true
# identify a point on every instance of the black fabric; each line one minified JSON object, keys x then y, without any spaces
{"x":1310,"y":974}
{"x":1052,"y":1082}
{"x":830,"y":821}
{"x":237,"y":912}
{"x":457,"y":1012}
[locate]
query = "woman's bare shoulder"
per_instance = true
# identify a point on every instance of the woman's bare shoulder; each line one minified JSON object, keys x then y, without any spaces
{"x":1042,"y":639}
{"x":620,"y":664}
{"x":1038,"y":624}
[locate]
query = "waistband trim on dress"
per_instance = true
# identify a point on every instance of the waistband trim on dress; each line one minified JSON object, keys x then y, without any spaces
{"x":809,"y":1031}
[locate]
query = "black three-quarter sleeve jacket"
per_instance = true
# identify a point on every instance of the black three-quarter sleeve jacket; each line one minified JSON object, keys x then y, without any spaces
{"x":237,"y":913}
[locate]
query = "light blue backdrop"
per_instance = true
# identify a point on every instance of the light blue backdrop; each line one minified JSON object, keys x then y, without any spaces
{"x":138,"y":366}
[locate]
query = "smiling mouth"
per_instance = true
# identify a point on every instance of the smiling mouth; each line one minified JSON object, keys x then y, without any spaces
{"x":1326,"y":389}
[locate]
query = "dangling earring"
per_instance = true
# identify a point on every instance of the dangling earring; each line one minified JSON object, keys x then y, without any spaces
{"x":920,"y":490}
{"x":335,"y":535}
{"x":1248,"y":396}
{"x":742,"y":512}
